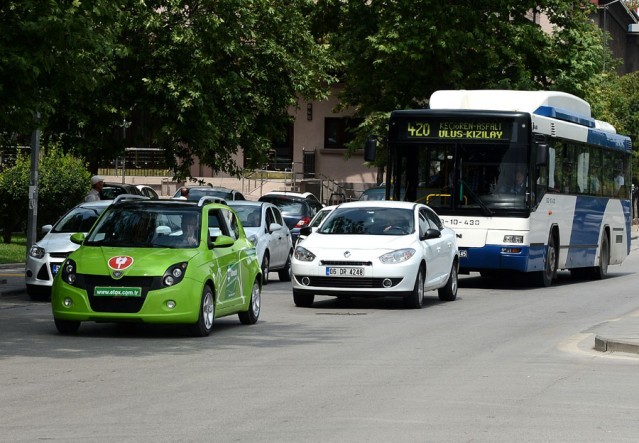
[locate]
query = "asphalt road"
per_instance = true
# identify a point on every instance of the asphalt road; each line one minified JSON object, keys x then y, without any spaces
{"x":504,"y":362}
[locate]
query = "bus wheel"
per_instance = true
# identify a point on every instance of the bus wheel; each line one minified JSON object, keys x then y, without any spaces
{"x":544,"y":278}
{"x":600,"y":272}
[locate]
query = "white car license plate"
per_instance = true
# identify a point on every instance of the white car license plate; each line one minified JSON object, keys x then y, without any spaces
{"x":344,"y":272}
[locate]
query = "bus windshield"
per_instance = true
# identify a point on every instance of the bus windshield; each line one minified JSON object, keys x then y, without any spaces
{"x":485,"y":177}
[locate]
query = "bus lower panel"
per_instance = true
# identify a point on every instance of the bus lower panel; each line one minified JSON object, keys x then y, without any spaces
{"x":492,"y":257}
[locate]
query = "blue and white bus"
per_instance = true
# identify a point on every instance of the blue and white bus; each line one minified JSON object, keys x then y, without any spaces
{"x":529,"y":180}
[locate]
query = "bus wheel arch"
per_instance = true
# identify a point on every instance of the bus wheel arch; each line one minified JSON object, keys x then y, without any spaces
{"x":545,"y":277}
{"x":600,"y":270}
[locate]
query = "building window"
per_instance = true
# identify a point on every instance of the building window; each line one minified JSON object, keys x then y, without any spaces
{"x":339,"y":131}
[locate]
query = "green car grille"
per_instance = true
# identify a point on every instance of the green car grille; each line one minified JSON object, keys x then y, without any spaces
{"x":117,"y":304}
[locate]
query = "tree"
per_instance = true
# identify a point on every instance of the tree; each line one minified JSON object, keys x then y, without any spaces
{"x":202,"y":78}
{"x":49,"y":50}
{"x":406,"y":49}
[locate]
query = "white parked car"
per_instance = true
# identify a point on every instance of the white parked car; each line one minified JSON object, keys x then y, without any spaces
{"x":46,"y":256}
{"x":265,"y":227}
{"x":377,"y":249}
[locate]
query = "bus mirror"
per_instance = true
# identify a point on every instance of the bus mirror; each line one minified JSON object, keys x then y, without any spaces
{"x":370,"y":150}
{"x":542,"y":154}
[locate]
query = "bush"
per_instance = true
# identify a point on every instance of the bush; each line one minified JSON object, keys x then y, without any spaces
{"x":63,"y":183}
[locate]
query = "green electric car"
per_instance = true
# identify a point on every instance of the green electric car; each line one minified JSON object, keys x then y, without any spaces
{"x":160,"y":261}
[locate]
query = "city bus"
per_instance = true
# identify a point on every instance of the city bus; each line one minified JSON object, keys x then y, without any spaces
{"x":529,"y":181}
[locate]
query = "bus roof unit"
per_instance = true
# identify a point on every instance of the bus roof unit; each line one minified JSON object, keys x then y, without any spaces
{"x":505,"y":100}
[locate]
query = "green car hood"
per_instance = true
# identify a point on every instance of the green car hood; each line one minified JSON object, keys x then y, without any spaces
{"x":135,"y":261}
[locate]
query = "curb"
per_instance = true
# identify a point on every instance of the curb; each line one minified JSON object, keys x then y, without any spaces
{"x":609,"y":345}
{"x":11,"y":265}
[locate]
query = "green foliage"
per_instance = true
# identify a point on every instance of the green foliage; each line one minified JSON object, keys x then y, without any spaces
{"x":406,"y":49}
{"x":201,"y":78}
{"x":63,"y":183}
{"x":49,"y":50}
{"x":615,"y":100}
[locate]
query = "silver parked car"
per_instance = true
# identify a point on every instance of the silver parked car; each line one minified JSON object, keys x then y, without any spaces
{"x":265,"y":227}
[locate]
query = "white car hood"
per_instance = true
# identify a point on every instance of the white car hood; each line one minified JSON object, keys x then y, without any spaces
{"x":59,"y":242}
{"x":336,"y":242}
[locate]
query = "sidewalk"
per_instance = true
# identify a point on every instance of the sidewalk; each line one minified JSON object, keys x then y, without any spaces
{"x":620,"y":334}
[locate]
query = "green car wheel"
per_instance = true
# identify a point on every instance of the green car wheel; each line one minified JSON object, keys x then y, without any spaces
{"x":250,"y":317}
{"x":204,"y":324}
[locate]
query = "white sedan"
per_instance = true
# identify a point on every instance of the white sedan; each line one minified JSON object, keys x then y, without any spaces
{"x":380,"y":248}
{"x":46,"y":256}
{"x":265,"y":227}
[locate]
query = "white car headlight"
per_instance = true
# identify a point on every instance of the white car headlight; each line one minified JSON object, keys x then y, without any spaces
{"x":303,"y":254}
{"x":36,"y":251}
{"x":399,"y":256}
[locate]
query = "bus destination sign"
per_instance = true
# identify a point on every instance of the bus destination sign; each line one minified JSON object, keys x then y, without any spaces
{"x":433,"y":129}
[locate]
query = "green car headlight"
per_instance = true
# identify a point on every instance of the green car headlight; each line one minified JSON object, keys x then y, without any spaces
{"x":174,"y":274}
{"x":69,"y":275}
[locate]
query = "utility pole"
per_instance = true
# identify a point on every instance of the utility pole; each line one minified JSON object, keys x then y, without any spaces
{"x":32,"y":218}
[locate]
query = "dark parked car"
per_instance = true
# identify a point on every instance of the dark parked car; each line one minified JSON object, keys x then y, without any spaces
{"x":297,"y":209}
{"x":111,"y":190}
{"x":376,"y":193}
{"x":197,"y":192}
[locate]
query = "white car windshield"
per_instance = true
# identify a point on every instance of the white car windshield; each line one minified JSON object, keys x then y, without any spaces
{"x":78,"y":220}
{"x":369,"y":221}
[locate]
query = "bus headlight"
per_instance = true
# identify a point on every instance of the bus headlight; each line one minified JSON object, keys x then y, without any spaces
{"x":509,"y":238}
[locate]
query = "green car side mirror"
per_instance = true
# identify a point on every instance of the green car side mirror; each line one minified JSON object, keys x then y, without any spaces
{"x":223,"y":241}
{"x":77,"y":238}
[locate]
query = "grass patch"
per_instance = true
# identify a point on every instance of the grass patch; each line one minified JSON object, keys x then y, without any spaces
{"x":14,"y":252}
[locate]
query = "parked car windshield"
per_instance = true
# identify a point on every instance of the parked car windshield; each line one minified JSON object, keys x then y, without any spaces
{"x":288,"y":206}
{"x":250,"y":215}
{"x":78,"y":220}
{"x":197,"y":194}
{"x":147,"y":227}
{"x":369,"y":221}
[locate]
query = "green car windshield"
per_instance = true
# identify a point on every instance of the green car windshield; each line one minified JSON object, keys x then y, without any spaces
{"x":147,"y":227}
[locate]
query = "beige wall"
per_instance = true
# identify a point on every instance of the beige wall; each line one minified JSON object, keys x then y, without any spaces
{"x":309,"y":135}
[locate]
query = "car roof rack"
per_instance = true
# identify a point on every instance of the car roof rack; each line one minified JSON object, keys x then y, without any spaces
{"x":122,"y":197}
{"x":210,"y":199}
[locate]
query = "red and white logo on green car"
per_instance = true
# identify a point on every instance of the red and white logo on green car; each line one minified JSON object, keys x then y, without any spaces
{"x":120,"y":262}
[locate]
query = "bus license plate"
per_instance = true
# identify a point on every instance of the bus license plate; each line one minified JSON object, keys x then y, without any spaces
{"x":344,"y":272}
